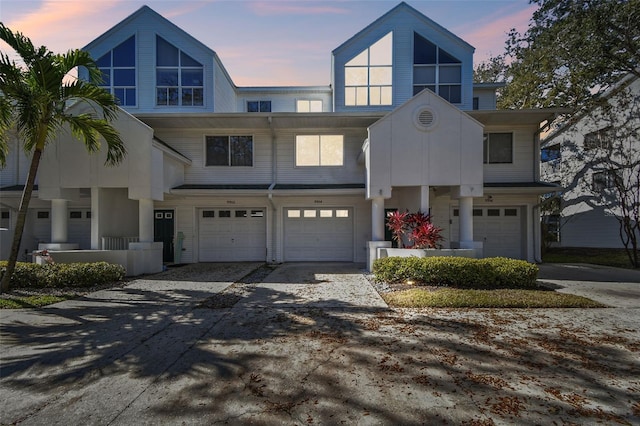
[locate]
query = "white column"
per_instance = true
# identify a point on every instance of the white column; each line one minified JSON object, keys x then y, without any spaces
{"x":59,"y":212}
{"x":377,"y":219}
{"x":145,"y":220}
{"x":96,"y":244}
{"x":424,"y":199}
{"x":466,"y":222}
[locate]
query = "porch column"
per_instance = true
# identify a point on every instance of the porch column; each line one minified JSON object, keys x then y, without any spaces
{"x":466,"y":222}
{"x":59,"y":223}
{"x":377,"y":219}
{"x":145,"y":220}
{"x":424,"y":199}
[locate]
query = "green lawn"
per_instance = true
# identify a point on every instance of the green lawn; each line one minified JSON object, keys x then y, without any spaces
{"x":18,"y":302}
{"x":505,"y":298}
{"x":607,"y":257}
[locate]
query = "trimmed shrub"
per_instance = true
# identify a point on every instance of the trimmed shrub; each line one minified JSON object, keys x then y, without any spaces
{"x":459,"y":272}
{"x":64,"y":274}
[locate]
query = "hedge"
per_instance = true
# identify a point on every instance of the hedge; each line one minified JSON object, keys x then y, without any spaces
{"x":462,"y":272}
{"x":63,"y":274}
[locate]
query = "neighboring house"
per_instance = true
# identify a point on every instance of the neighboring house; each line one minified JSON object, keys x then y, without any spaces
{"x":585,"y":157}
{"x":218,"y":172}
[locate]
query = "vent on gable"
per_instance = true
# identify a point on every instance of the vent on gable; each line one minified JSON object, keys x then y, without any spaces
{"x":425,"y":118}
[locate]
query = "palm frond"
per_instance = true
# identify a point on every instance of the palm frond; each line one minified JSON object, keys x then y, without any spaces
{"x":88,"y":129}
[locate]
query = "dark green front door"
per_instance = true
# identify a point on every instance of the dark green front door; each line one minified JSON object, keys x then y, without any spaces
{"x":163,"y":227}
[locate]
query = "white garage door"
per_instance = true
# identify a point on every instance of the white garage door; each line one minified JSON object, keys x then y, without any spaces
{"x":499,"y":228}
{"x":232,"y":235}
{"x":318,"y":234}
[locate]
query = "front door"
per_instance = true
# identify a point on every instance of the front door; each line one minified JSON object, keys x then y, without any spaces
{"x":163,"y":227}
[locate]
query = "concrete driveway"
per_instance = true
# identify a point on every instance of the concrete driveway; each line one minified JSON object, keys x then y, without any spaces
{"x":309,"y":344}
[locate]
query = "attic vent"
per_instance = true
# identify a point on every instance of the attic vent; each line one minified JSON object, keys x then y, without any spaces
{"x":425,"y":118}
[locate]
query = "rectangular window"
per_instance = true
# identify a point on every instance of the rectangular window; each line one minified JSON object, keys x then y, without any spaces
{"x":236,"y":151}
{"x":224,"y":213}
{"x":511,"y":212}
{"x":493,"y":212}
{"x":498,"y":148}
{"x":309,"y":213}
{"x":75,"y":215}
{"x":241,"y":213}
{"x":599,"y":139}
{"x":342,"y":213}
{"x":208,"y":213}
{"x":550,"y":153}
{"x":604,"y":180}
{"x":477,"y":212}
{"x":293,"y":213}
{"x":476,"y":103}
{"x":179,"y":77}
{"x":259,"y":106}
{"x":308,"y":105}
{"x":319,"y":150}
{"x":257,"y":213}
{"x":42,"y":215}
{"x":326,"y":213}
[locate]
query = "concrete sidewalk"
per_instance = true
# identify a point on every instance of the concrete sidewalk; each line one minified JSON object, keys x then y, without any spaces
{"x":310,"y":344}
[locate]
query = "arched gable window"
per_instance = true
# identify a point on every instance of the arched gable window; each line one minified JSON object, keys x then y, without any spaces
{"x":118,"y":68}
{"x":368,"y":76}
{"x":436,"y":70}
{"x":179,"y":77}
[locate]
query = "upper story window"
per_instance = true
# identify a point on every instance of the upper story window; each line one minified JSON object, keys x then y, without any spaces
{"x":179,"y":77}
{"x":436,"y":70}
{"x":498,"y":148}
{"x":319,"y":150}
{"x":308,"y":105}
{"x":368,"y":76}
{"x":118,"y":68}
{"x":602,"y":138}
{"x":550,"y":153}
{"x":229,"y":151}
{"x":605,"y":179}
{"x":259,"y":106}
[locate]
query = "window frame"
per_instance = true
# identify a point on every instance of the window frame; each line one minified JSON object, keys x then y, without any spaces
{"x":229,"y":151}
{"x":370,"y":87}
{"x":320,"y":137}
{"x":309,"y":103}
{"x":179,"y":87}
{"x":111,"y":69}
{"x":486,"y":146}
{"x":598,"y":139}
{"x":260,"y":103}
{"x":440,"y":63}
{"x":603,"y":180}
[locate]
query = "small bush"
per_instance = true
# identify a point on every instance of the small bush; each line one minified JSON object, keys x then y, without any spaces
{"x":63,"y":274}
{"x":459,"y":272}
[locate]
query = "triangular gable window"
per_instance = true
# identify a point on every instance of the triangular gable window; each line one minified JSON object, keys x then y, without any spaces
{"x":368,"y":76}
{"x":436,"y":69}
{"x":179,"y":77}
{"x":118,"y":68}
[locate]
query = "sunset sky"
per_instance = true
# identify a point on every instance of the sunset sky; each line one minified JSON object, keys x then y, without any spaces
{"x":264,"y":43}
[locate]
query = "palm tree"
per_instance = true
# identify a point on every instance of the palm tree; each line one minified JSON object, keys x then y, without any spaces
{"x":35,"y":98}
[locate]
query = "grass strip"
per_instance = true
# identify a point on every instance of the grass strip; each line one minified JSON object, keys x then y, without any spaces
{"x":503,"y":298}
{"x":20,"y":302}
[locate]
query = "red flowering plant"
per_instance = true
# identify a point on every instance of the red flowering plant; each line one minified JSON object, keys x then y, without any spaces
{"x":416,"y":227}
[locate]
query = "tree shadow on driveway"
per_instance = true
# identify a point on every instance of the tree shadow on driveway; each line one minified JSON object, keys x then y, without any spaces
{"x":160,"y":357}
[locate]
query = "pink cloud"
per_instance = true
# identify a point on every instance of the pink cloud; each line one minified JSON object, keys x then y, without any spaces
{"x":186,"y":8}
{"x":489,"y":38}
{"x":264,"y":8}
{"x":63,"y":25}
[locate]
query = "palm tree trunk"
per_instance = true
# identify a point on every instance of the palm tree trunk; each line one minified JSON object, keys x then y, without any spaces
{"x":22,"y":216}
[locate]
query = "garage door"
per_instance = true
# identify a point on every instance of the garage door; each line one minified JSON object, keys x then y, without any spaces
{"x":318,"y":234}
{"x":232,"y":235}
{"x":499,"y":228}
